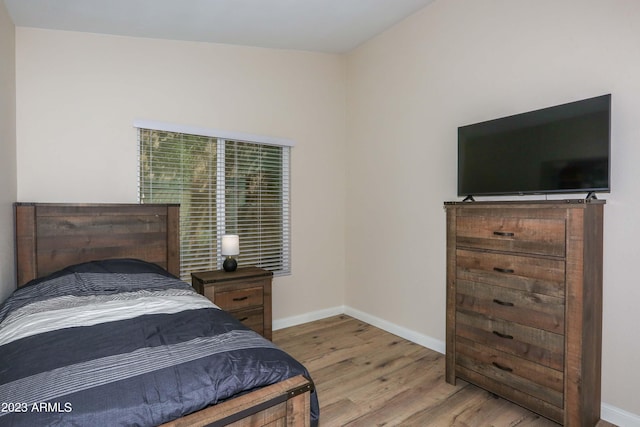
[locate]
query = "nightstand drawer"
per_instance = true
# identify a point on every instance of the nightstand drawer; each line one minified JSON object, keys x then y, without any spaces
{"x":238,"y":298}
{"x":521,"y":235}
{"x":252,"y":318}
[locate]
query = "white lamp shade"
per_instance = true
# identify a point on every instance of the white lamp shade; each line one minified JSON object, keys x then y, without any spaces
{"x":230,"y":244}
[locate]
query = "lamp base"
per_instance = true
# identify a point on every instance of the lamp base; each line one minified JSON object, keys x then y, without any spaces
{"x":230,"y":264}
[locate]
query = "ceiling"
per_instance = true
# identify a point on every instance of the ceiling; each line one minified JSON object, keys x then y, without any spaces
{"x":333,"y":26}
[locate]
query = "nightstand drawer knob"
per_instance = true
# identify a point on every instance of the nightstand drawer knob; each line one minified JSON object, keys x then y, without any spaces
{"x":503,"y":270}
{"x":503,"y":233}
{"x":241,"y":298}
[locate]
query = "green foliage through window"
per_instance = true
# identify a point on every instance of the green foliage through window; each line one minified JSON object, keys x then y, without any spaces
{"x":223,"y":187}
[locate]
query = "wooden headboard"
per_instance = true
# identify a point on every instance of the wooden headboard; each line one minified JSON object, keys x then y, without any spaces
{"x":51,"y":236}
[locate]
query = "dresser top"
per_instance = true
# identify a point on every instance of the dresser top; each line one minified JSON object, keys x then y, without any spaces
{"x":540,"y":203}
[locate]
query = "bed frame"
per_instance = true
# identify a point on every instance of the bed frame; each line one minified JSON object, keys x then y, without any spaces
{"x":52,"y":236}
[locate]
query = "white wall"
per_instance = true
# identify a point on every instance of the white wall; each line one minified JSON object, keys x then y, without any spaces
{"x":78,"y":95}
{"x":390,"y":114}
{"x":7,"y":152}
{"x":458,"y":62}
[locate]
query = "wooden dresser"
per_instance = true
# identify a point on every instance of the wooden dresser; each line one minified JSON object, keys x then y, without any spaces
{"x":244,"y":293}
{"x":524,"y":303}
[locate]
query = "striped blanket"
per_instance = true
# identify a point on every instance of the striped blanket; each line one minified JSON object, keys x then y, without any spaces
{"x":123,"y":342}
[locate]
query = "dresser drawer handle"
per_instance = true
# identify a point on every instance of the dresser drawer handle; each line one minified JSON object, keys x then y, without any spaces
{"x":507,"y":337}
{"x":244,"y":318}
{"x":504,"y":233}
{"x":504,"y":368}
{"x":241,"y":298}
{"x":503,"y":270}
{"x":507,"y":304}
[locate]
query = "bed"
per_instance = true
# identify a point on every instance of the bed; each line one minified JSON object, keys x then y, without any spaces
{"x":101,"y":331}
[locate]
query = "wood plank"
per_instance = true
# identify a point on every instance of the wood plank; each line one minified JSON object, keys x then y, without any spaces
{"x":25,"y":218}
{"x":526,"y":308}
{"x":523,"y":235}
{"x":452,"y":269}
{"x":173,"y":239}
{"x":534,"y":372}
{"x":525,"y":273}
{"x":231,"y":408}
{"x":529,"y":343}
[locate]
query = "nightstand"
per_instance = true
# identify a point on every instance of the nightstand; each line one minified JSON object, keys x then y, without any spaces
{"x":244,"y":293}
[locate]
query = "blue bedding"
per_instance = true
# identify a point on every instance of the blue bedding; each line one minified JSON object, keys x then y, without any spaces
{"x":123,"y":342}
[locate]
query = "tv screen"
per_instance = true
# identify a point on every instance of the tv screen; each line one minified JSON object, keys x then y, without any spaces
{"x":561,"y":149}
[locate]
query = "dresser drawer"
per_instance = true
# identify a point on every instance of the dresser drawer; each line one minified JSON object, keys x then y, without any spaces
{"x":533,"y":344}
{"x":545,"y":400}
{"x":539,"y":381}
{"x":525,"y":308}
{"x":521,"y":235}
{"x":238,"y":298}
{"x":544,"y":276}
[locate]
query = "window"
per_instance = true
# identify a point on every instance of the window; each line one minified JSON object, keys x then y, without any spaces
{"x":224,"y":186}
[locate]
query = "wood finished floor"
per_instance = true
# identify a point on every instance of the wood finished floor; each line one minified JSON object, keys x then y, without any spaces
{"x":368,"y":377}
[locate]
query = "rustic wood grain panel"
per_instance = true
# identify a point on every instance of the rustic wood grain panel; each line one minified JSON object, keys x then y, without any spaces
{"x":27,"y":268}
{"x":513,"y":209}
{"x":253,"y":318}
{"x":520,"y":235}
{"x":526,"y":273}
{"x":526,"y":308}
{"x":78,"y":224}
{"x":536,"y":345}
{"x":298,"y":411}
{"x":502,"y":389}
{"x":98,"y":209}
{"x":239,"y":298}
{"x":244,"y":411}
{"x":532,"y":378}
{"x":451,"y":276}
{"x":50,"y":261}
{"x":53,"y":236}
{"x":173,"y":239}
{"x":584,"y":315}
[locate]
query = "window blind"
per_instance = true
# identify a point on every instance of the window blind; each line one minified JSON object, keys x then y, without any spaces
{"x":223,"y":187}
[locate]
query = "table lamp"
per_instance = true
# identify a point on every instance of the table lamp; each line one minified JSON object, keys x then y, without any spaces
{"x":230,"y":248}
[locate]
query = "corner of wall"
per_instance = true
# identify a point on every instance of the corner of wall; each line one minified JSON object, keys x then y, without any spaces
{"x":8,"y":161}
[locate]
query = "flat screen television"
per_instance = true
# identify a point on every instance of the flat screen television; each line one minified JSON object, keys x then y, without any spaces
{"x":560,"y":149}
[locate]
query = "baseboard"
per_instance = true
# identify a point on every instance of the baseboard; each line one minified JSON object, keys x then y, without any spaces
{"x":608,"y":412}
{"x":307,"y":317}
{"x":408,"y":334}
{"x":619,"y":416}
